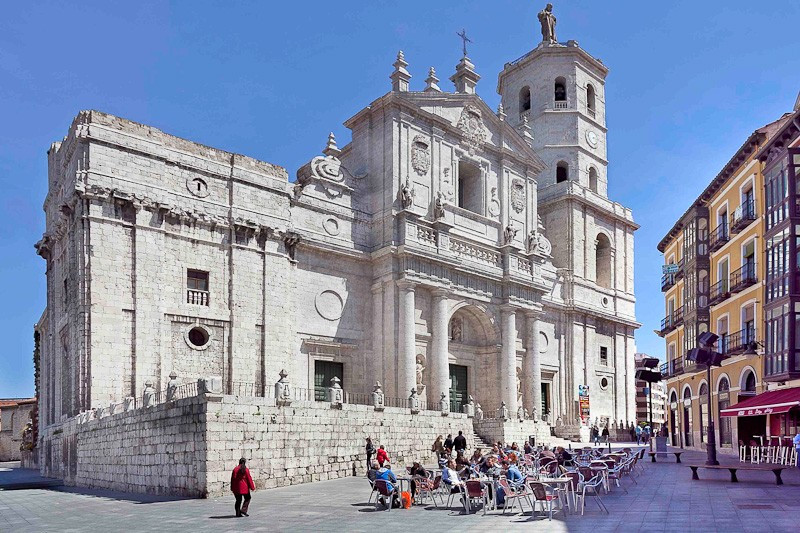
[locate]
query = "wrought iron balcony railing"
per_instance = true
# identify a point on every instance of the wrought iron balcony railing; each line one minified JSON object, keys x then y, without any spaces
{"x":672,"y":321}
{"x":743,"y":216}
{"x":744,"y":277}
{"x":719,"y":236}
{"x":719,"y":292}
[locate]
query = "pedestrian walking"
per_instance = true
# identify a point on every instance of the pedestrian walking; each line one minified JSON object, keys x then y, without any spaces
{"x":241,"y":485}
{"x":370,"y":449}
{"x":595,"y":435}
{"x":638,"y":434}
{"x":382,"y":456}
{"x":605,"y":434}
{"x":460,"y":442}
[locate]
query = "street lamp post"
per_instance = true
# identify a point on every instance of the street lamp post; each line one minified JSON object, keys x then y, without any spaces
{"x":648,"y":374}
{"x":706,"y":355}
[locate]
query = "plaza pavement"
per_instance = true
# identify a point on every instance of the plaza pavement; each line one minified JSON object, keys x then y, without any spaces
{"x":665,"y":499}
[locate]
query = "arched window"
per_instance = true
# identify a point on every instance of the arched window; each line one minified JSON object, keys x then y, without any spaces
{"x":724,"y":385}
{"x":593,"y":179}
{"x":603,"y":261}
{"x":723,"y":402}
{"x":560,"y":90}
{"x":748,"y":384}
{"x":562,"y":172}
{"x":524,"y":99}
{"x":703,"y":389}
{"x":703,"y":393}
{"x":590,"y":99}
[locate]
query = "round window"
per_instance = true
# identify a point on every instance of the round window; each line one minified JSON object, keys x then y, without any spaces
{"x":198,"y":337}
{"x":604,"y":383}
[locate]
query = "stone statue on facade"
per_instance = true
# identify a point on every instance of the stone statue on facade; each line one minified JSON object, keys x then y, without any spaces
{"x":478,"y":412}
{"x":548,"y":22}
{"x":532,"y":241}
{"x":535,"y":414}
{"x":420,"y":375}
{"x":456,"y":330}
{"x":378,"y":398}
{"x":509,"y":233}
{"x":438,"y":206}
{"x":406,"y":195}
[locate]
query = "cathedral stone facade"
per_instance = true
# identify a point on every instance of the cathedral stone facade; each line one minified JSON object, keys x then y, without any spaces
{"x":447,"y":248}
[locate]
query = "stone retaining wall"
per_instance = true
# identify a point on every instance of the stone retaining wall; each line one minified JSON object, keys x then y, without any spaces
{"x":189,"y":446}
{"x":157,"y":450}
{"x":312,"y":441}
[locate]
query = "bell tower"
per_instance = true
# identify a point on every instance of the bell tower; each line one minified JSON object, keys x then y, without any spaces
{"x":559,"y":90}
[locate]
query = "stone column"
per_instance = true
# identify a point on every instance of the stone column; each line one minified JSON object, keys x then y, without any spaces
{"x":508,"y":360}
{"x":438,"y":365}
{"x":407,"y":360}
{"x":533,"y":367}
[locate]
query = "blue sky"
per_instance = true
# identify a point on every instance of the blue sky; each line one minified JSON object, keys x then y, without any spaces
{"x":689,"y":82}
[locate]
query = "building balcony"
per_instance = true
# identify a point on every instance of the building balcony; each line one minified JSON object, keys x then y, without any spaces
{"x":667,"y":282}
{"x":719,"y":292}
{"x":196,"y":297}
{"x":672,"y":368}
{"x":681,"y":271}
{"x":736,"y":342}
{"x":672,"y":321}
{"x":719,"y":236}
{"x":743,"y":216}
{"x":744,"y":277}
{"x":560,"y":104}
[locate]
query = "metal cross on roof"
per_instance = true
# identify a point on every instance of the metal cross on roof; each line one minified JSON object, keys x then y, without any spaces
{"x":463,"y":35}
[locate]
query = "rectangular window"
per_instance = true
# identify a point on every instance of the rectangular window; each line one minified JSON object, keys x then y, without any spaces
{"x":197,"y":287}
{"x":470,"y":190}
{"x":324,"y":372}
{"x":604,"y":356}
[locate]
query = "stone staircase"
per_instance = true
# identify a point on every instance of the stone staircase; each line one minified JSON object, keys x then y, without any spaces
{"x":478,"y":442}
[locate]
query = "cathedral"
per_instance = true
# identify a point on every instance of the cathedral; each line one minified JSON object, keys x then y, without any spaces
{"x":448,"y":250}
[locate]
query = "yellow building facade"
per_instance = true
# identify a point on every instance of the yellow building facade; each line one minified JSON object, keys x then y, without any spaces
{"x":716,"y":285}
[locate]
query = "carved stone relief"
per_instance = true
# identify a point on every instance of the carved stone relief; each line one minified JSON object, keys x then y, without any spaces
{"x":494,"y":203}
{"x":329,"y":305}
{"x":518,"y":195}
{"x":331,"y":226}
{"x":420,"y":155}
{"x":472,"y":129}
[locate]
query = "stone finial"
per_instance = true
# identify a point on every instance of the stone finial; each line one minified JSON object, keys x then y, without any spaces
{"x":331,"y":150}
{"x":335,"y":392}
{"x":431,"y":82}
{"x":525,"y":130}
{"x":378,"y":398}
{"x":413,"y":402}
{"x":149,"y":394}
{"x":469,"y":407}
{"x":478,"y":412}
{"x":504,"y":411}
{"x":172,"y":386}
{"x":283,"y":391}
{"x":444,"y":404}
{"x":400,"y":77}
{"x":501,"y":112}
{"x":465,"y":79}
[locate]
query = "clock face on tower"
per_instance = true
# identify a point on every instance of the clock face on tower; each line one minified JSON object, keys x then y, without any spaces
{"x":591,"y":138}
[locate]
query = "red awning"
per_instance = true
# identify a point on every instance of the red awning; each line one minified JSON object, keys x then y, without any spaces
{"x":767,"y":403}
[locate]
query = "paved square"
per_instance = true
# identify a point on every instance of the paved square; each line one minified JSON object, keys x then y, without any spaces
{"x":664,"y":499}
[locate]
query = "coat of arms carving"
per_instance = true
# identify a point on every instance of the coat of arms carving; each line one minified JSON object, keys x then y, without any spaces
{"x":518,"y":195}
{"x":472,"y":128}
{"x":420,"y":155}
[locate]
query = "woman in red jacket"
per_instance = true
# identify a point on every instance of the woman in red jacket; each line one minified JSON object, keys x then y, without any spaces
{"x":241,"y":485}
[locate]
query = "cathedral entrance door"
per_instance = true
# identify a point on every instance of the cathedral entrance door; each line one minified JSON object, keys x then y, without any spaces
{"x":324,"y":372}
{"x":458,"y":387}
{"x":545,"y":407}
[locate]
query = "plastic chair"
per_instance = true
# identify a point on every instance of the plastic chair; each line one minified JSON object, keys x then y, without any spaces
{"x":476,"y":491}
{"x":382,"y":487}
{"x":372,"y":491}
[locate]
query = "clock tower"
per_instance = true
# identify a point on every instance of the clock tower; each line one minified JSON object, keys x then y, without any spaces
{"x":559,"y":90}
{"x":555,"y":96}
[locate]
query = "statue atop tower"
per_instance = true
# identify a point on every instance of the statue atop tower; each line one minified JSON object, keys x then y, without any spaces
{"x":548,"y":21}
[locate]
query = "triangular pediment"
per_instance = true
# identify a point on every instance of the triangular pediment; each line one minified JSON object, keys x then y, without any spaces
{"x":471,"y":118}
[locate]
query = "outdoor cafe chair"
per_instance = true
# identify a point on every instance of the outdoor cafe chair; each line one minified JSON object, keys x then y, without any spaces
{"x":592,"y":488}
{"x":429,"y":488}
{"x":382,"y":487}
{"x":372,"y":491}
{"x":541,"y":494}
{"x":513,"y":495}
{"x":476,"y":491}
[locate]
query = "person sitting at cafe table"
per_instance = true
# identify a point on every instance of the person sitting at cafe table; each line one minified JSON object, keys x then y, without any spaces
{"x":416,"y":470}
{"x":372,"y":473}
{"x":512,"y":473}
{"x":547,"y":453}
{"x":528,"y":448}
{"x":563,"y":456}
{"x":477,"y":457}
{"x":461,"y":461}
{"x":450,"y":477}
{"x":385,"y":473}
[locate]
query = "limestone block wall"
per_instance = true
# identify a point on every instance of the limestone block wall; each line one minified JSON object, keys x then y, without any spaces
{"x":509,"y":431}
{"x":156,"y":450}
{"x":310,"y":441}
